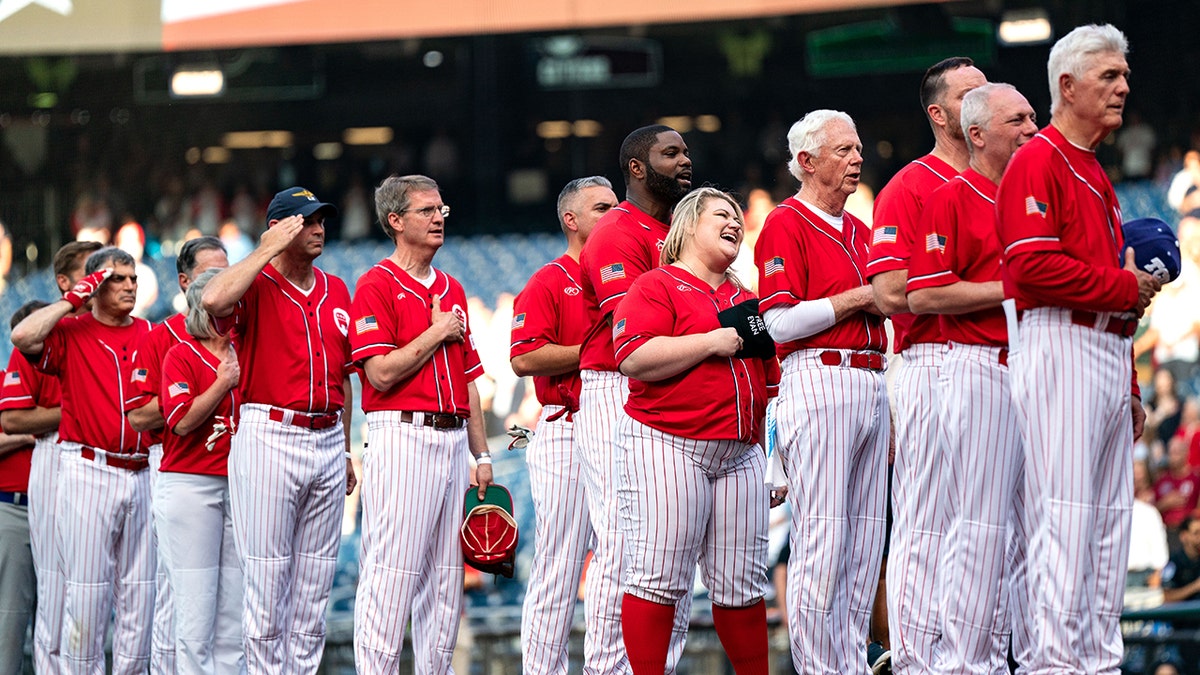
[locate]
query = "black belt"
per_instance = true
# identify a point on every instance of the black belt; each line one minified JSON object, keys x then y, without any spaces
{"x":435,"y":420}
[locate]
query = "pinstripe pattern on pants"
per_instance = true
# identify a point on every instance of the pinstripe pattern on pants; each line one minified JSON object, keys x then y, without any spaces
{"x":601,"y":405}
{"x":287,"y":490}
{"x":43,"y":495}
{"x":162,"y":640}
{"x":1071,"y":385}
{"x":103,"y":535}
{"x":414,"y":479}
{"x":918,"y":512}
{"x":563,"y":537}
{"x":681,"y":501}
{"x":833,"y":432}
{"x":984,"y":550}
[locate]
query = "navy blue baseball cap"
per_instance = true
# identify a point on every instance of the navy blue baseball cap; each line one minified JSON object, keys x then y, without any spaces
{"x":1155,"y":247}
{"x":297,"y":200}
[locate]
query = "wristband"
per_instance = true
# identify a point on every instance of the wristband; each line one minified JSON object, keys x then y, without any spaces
{"x":483,"y":458}
{"x":348,"y":455}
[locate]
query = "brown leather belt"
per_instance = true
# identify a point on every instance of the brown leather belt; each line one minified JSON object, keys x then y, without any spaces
{"x":110,"y":459}
{"x":435,"y":420}
{"x":864,"y":360}
{"x":302,"y":420}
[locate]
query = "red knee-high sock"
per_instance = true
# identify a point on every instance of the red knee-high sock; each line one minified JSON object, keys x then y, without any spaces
{"x":743,"y":633}
{"x":647,"y":629}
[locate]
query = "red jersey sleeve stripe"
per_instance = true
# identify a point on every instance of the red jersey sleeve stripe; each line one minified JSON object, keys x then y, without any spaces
{"x":373,"y":349}
{"x":16,"y":402}
{"x":928,"y":280}
{"x":628,"y":346}
{"x":888,"y":259}
{"x":176,"y":414}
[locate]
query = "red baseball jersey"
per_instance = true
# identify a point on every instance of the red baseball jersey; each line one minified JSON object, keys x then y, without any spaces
{"x":391,"y":309}
{"x":550,"y":311}
{"x":292,"y":344}
{"x":147,"y":366}
{"x":1060,"y":226}
{"x":94,"y":365}
{"x":188,"y":370}
{"x":801,"y":257}
{"x":959,"y":243}
{"x":27,"y":387}
{"x":894,"y":238}
{"x":624,"y":244}
{"x":14,"y":467}
{"x":718,"y":398}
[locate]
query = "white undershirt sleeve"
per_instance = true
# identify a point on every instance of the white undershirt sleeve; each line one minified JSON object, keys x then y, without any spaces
{"x":800,"y":320}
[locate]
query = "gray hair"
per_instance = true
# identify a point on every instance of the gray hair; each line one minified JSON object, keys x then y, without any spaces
{"x":808,"y":135}
{"x":976,"y":109}
{"x":198,"y":322}
{"x":572,"y":189}
{"x":392,"y":196}
{"x":1072,"y":54}
{"x":109,"y":256}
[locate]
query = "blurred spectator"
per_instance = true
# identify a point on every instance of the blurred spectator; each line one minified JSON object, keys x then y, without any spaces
{"x":244,"y":211}
{"x":1136,"y":141}
{"x":356,"y":211}
{"x":1165,"y":666}
{"x":1176,"y":490}
{"x":1163,"y":409}
{"x":1187,"y":180}
{"x":1148,"y":552}
{"x":1181,"y":576}
{"x":1174,"y":330}
{"x":6,"y":257}
{"x":91,"y":219}
{"x":1188,"y":433}
{"x":206,"y":206}
{"x":758,"y":204}
{"x":1143,"y":484}
{"x":237,"y":242}
{"x":441,"y":156}
{"x":131,"y":238}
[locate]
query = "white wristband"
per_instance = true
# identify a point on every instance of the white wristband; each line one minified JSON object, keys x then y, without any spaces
{"x":485,"y":458}
{"x":348,"y":455}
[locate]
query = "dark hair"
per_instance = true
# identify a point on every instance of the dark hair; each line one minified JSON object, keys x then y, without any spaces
{"x":637,"y":146}
{"x":186,"y":261}
{"x":72,"y":254}
{"x":1186,"y":523}
{"x":24,"y":311}
{"x":933,"y":84}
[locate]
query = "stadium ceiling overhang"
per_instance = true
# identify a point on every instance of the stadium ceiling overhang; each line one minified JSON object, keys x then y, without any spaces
{"x":87,"y":26}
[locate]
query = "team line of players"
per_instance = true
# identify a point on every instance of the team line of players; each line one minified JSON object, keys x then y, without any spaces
{"x":998,"y":257}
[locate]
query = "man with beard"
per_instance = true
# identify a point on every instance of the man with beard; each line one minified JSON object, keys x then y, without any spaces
{"x":919,"y":522}
{"x":625,"y":244}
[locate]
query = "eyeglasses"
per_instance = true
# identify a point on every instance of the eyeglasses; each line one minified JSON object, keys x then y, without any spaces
{"x":428,"y":211}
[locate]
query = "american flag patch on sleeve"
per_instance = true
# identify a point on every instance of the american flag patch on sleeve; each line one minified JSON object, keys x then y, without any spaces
{"x":935,"y":242}
{"x":177,"y":389}
{"x":1035,"y":208}
{"x":518,"y":321}
{"x":366,"y":325}
{"x":139,"y":375}
{"x":884,"y":235}
{"x":773,"y":266}
{"x":619,"y":329}
{"x":11,"y":378}
{"x":612,"y":272}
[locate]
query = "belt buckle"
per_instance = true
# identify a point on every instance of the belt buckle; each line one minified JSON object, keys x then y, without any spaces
{"x":444,"y":421}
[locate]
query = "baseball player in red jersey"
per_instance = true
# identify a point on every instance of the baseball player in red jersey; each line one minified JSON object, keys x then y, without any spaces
{"x":18,"y":581}
{"x":413,"y":340}
{"x":547,"y":329}
{"x":30,"y":404}
{"x":145,"y":414}
{"x":833,"y":421}
{"x":289,"y":465}
{"x":690,"y":472}
{"x":103,"y":503}
{"x":955,"y":274}
{"x":918,"y":522}
{"x":626,"y":243}
{"x":192,"y":509}
{"x":1070,"y":356}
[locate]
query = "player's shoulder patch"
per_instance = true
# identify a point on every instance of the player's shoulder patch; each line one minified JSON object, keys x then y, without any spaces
{"x":884,"y":234}
{"x":773,"y":266}
{"x":366,"y":324}
{"x":935,"y":243}
{"x":619,"y":328}
{"x":1034,"y":207}
{"x":612,"y":272}
{"x":518,"y":321}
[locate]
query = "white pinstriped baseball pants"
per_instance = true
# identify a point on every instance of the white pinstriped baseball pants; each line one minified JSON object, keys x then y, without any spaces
{"x":162,"y":641}
{"x":601,"y":405}
{"x":413,"y":483}
{"x":681,"y":501}
{"x":103,"y":536}
{"x":919,"y":517}
{"x":833,"y":432}
{"x":43,"y":497}
{"x":287,"y":488}
{"x":1072,"y":388}
{"x":982,"y":569}
{"x":563,"y":538}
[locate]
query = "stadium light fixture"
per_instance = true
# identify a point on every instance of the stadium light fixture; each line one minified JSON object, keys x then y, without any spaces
{"x":367,"y":135}
{"x":1025,"y":27}
{"x":193,"y":81}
